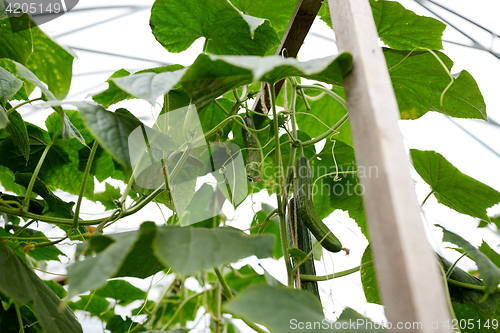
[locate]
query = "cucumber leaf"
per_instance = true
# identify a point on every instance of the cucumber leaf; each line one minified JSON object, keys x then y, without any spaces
{"x":93,"y":272}
{"x":113,"y":94}
{"x":176,"y":25}
{"x":419,"y":81}
{"x":490,"y":253}
{"x":148,"y":86}
{"x":281,"y":310}
{"x":27,"y":286}
{"x":121,"y":290}
{"x":488,"y":270}
{"x":9,"y":86}
{"x":277,"y":12}
{"x":111,"y":129}
{"x":369,"y":278}
{"x":400,"y":28}
{"x":451,"y":187}
{"x":15,"y":45}
{"x":211,"y":76}
{"x":188,"y":249}
{"x":19,"y":133}
{"x":51,"y":63}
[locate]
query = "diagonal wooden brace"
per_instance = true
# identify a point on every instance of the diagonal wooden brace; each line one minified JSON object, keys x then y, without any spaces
{"x":411,"y":286}
{"x":302,"y":18}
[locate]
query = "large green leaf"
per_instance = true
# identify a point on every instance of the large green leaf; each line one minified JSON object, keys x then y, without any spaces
{"x":400,"y":28}
{"x":419,"y":80}
{"x":277,"y":12}
{"x":103,"y":165}
{"x":369,"y":278}
{"x":19,"y":133}
{"x":27,"y":286}
{"x":149,"y":86}
{"x":30,"y":237}
{"x":7,"y":178}
{"x":113,"y":94}
{"x":68,"y":130}
{"x":92,"y":272}
{"x":141,"y":261}
{"x":176,"y":25}
{"x":15,"y":45}
{"x":55,"y":204}
{"x":94,"y":304}
{"x":490,"y":253}
{"x":188,"y":249}
{"x":488,"y":270}
{"x":4,"y":119}
{"x":60,"y":167}
{"x":30,"y":79}
{"x":121,"y":290}
{"x":109,"y":196}
{"x":51,"y":63}
{"x":345,"y":191}
{"x":283,"y":310}
{"x":451,"y":187}
{"x":111,"y":129}
{"x":211,"y":76}
{"x":9,"y":85}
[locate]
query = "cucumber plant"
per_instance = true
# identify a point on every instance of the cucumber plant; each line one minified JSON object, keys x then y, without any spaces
{"x":206,"y":127}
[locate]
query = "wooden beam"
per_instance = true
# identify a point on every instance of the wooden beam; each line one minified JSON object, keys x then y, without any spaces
{"x":298,"y":27}
{"x":411,"y":285}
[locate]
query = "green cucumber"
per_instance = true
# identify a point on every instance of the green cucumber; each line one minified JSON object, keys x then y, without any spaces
{"x":304,"y":243}
{"x":305,"y":208}
{"x":252,"y":167}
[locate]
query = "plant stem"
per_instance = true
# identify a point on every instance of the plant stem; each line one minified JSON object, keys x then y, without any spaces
{"x":223,"y":283}
{"x":266,"y":221}
{"x":281,"y":212}
{"x":466,"y":285}
{"x":427,"y":197}
{"x":179,"y":164}
{"x":327,"y":133}
{"x":452,"y":267}
{"x":327,"y":91}
{"x":9,"y":111}
{"x":293,"y":148}
{"x":178,"y":310}
{"x":26,"y":201}
{"x":335,"y":275}
{"x":254,"y":326}
{"x":19,"y":317}
{"x":20,"y":230}
{"x":84,"y":184}
{"x":448,"y":298}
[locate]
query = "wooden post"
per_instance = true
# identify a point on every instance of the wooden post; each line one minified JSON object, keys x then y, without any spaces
{"x":410,"y":284}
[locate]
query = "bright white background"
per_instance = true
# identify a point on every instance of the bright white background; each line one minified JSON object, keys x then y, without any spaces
{"x":131,"y":36}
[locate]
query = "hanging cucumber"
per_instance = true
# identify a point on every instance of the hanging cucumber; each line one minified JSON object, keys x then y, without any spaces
{"x":304,"y":243}
{"x":305,"y":208}
{"x":252,"y":167}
